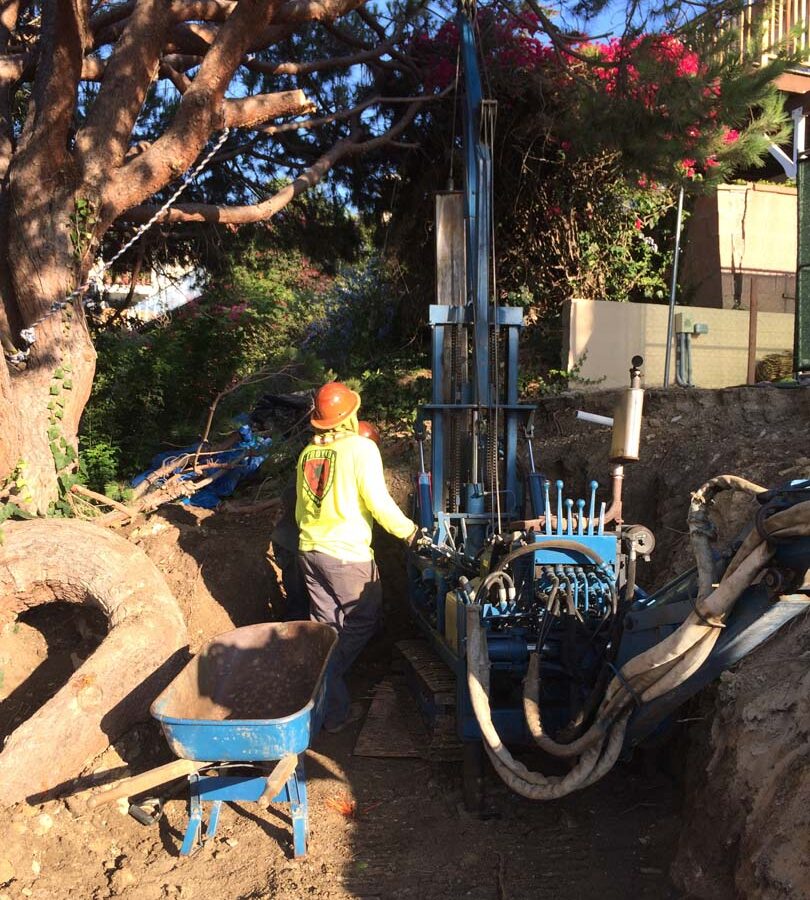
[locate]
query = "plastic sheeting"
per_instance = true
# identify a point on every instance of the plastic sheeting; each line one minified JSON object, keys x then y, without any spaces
{"x":224,"y":483}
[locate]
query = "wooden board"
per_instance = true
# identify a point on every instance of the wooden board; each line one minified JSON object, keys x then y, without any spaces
{"x":393,"y":727}
{"x":436,"y":677}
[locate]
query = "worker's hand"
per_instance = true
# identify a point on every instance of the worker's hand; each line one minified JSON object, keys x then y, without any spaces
{"x":419,"y":540}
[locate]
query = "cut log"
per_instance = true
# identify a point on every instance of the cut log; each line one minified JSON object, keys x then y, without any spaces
{"x":278,"y":778}
{"x":137,"y":784}
{"x":48,"y":560}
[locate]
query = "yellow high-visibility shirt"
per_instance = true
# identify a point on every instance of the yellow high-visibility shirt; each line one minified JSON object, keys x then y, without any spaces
{"x":340,"y":487}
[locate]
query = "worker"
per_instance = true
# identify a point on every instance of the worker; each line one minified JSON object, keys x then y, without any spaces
{"x":284,"y":543}
{"x":340,"y":489}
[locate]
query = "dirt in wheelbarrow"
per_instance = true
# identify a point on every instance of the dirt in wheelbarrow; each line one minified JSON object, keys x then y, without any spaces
{"x":398,"y":828}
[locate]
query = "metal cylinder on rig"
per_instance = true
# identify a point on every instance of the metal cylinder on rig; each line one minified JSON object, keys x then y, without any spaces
{"x":626,"y":441}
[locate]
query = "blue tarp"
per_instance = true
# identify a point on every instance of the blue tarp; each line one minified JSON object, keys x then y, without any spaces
{"x":224,"y":484}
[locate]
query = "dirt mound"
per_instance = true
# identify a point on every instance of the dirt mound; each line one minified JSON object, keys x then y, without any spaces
{"x":747,"y":820}
{"x":216,"y":564}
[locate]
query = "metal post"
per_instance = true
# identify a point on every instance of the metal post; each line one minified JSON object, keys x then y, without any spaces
{"x":801,"y":343}
{"x":673,"y":288}
{"x":752,"y":336}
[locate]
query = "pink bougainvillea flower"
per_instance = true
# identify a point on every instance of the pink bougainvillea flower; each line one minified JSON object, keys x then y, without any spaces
{"x":731,"y":136}
{"x":687,"y":167}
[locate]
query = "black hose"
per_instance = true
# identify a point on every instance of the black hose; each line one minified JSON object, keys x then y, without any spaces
{"x":576,"y":546}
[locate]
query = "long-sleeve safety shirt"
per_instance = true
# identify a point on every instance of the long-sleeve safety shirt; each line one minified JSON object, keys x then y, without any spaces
{"x":340,"y":487}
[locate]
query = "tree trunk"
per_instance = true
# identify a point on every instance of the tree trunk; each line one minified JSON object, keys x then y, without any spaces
{"x":42,"y":403}
{"x":50,"y":560}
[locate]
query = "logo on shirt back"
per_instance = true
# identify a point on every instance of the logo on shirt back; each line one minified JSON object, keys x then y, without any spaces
{"x":318,"y":467}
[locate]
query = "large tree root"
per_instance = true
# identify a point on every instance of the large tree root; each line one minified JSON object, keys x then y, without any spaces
{"x":47,"y":560}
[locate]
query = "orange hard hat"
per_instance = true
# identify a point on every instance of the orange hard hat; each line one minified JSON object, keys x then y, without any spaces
{"x":334,"y":402}
{"x":369,"y":430}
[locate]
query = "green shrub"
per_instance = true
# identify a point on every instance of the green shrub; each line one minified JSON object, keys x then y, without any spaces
{"x":153,"y":387}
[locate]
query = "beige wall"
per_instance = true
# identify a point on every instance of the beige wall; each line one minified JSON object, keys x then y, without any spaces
{"x":611,"y":333}
{"x":741,"y":241}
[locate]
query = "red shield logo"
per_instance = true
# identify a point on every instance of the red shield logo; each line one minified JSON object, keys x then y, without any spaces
{"x":318,"y":467}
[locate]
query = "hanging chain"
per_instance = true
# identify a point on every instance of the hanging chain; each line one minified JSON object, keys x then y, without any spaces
{"x":101,"y":267}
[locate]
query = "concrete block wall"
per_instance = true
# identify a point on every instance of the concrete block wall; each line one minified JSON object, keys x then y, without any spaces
{"x":741,"y":242}
{"x":609,"y":334}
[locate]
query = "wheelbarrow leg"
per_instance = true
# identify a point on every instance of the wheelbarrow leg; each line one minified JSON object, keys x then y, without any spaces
{"x":294,"y":792}
{"x":299,"y":808}
{"x":192,"y":840}
{"x":213,"y":820}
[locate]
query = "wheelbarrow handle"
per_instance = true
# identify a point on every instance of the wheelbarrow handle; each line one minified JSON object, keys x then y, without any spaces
{"x":128,"y":787}
{"x":278,"y":778}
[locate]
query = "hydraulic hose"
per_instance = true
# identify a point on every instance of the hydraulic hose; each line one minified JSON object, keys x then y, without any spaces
{"x":701,"y":529}
{"x":791,"y":522}
{"x":561,"y":544}
{"x":511,"y":770}
{"x":644,"y":678}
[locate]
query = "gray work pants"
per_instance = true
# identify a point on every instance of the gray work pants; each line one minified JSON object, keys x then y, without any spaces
{"x":347,"y":596}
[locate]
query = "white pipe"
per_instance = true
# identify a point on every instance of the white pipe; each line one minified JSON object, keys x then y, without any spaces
{"x":594,"y":419}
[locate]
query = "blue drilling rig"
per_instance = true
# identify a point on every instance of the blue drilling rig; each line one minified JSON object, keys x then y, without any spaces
{"x":528,"y":595}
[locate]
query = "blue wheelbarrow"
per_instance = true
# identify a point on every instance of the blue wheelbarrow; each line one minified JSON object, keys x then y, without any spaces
{"x":250,"y":697}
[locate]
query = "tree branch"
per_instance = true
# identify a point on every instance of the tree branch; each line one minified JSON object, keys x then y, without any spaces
{"x":182,"y":62}
{"x":103,"y":141}
{"x":344,"y":114}
{"x":12,"y":66}
{"x":372,"y":23}
{"x":318,"y":65}
{"x":194,"y":37}
{"x":379,"y":30}
{"x":347,"y":37}
{"x":108,"y":25}
{"x":197,"y":36}
{"x":243,"y":215}
{"x":199,"y":113}
{"x":206,"y":10}
{"x":251,"y":111}
{"x":201,"y":108}
{"x":43,"y":144}
{"x":110,"y":15}
{"x":178,"y":79}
